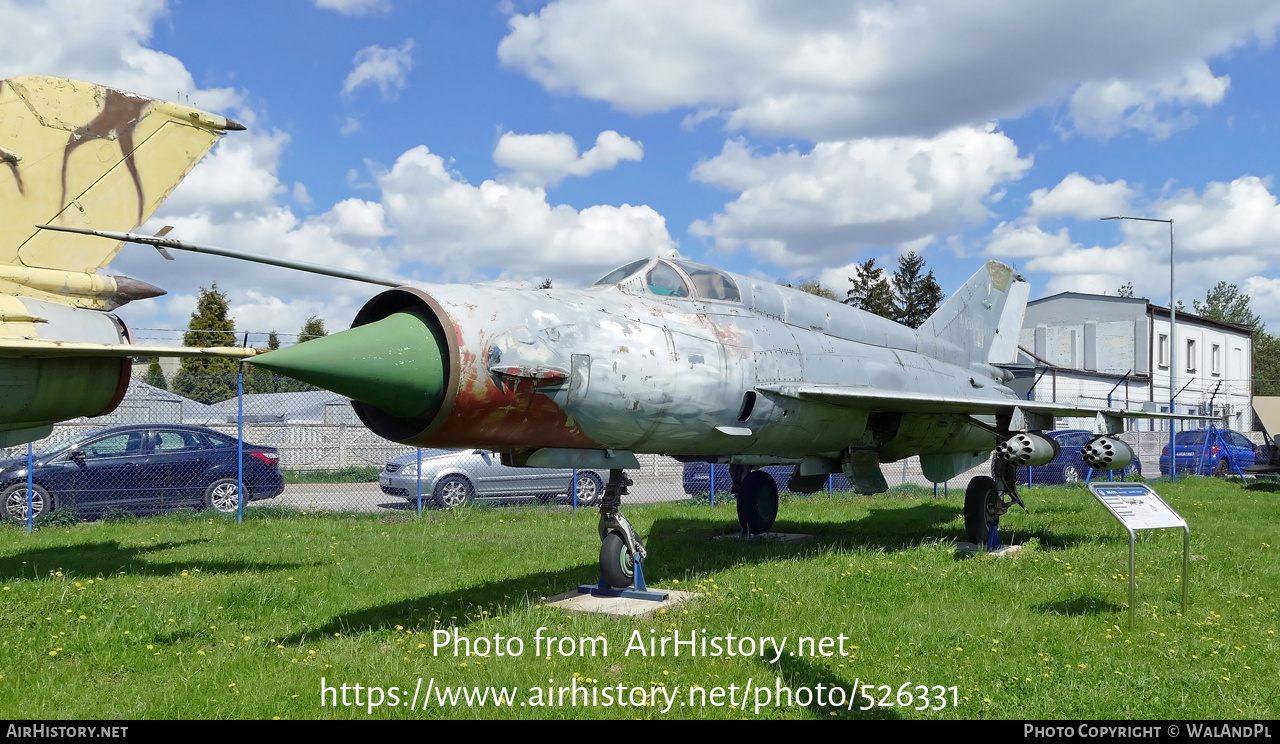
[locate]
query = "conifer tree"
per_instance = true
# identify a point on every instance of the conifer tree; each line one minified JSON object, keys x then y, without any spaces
{"x":871,"y":291}
{"x":155,"y":375}
{"x":208,"y":379}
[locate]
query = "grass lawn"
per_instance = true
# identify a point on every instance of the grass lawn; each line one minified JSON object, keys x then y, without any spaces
{"x":194,"y":616}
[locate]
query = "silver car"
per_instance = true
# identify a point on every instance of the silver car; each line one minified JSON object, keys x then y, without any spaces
{"x":454,"y":477}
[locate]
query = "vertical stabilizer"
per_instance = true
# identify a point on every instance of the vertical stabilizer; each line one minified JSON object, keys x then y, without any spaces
{"x":84,"y":155}
{"x":981,"y":321}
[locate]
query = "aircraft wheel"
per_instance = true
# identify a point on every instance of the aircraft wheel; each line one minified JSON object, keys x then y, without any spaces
{"x":758,"y":502}
{"x":615,"y":562}
{"x":980,"y":493}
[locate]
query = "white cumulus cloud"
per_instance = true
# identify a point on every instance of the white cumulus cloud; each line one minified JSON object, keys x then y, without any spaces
{"x":388,"y":69}
{"x":1229,"y":231}
{"x":354,"y":7}
{"x":100,"y":42}
{"x":832,"y":70}
{"x":821,"y":207}
{"x":547,"y":159}
{"x":469,"y":230}
{"x":1080,"y":197}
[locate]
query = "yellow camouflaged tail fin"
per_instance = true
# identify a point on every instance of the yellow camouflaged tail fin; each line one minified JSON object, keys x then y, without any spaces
{"x":84,"y":155}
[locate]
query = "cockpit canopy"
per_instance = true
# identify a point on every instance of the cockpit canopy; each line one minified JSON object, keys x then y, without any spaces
{"x":673,"y":278}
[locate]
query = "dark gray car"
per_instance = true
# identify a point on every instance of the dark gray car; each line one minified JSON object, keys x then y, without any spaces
{"x":453,"y":477}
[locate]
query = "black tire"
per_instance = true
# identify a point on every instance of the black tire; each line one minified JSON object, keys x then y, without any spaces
{"x":1223,"y":469}
{"x":590,"y":488}
{"x":615,"y":562}
{"x":14,"y":499}
{"x":1132,"y":469}
{"x":758,"y":502}
{"x":453,"y":491}
{"x":222,"y":495}
{"x":1070,"y":474}
{"x":981,"y":491}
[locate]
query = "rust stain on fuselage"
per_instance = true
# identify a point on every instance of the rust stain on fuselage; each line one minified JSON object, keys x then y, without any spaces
{"x":120,"y":114}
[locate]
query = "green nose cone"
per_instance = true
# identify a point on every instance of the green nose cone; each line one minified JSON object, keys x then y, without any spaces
{"x":396,"y":364}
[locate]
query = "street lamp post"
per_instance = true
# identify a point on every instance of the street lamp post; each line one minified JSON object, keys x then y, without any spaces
{"x":1173,"y":343}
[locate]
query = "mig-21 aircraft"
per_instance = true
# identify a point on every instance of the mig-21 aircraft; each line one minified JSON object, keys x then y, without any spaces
{"x":80,"y":155}
{"x":672,"y":357}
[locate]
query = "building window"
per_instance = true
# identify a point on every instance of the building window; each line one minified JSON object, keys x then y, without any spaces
{"x":1215,"y":360}
{"x":1163,"y":358}
{"x":1191,"y":355}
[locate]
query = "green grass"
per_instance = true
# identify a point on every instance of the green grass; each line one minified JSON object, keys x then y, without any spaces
{"x":197,"y":617}
{"x":344,"y":475}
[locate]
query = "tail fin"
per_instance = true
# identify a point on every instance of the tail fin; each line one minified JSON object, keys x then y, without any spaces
{"x":84,"y":155}
{"x":981,"y":321}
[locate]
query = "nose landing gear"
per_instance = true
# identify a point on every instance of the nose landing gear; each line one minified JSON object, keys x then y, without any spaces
{"x":621,"y":552}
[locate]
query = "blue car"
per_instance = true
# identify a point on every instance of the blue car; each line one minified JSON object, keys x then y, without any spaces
{"x":697,"y":478}
{"x":1068,"y":466}
{"x":1219,"y":452}
{"x":141,"y":469}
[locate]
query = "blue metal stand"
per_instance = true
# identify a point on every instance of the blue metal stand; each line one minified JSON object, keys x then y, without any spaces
{"x":240,"y":445}
{"x":638,"y":591}
{"x":30,"y":487}
{"x":993,"y":536}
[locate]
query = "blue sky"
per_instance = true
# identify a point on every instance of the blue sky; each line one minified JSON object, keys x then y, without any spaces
{"x":469,"y":141}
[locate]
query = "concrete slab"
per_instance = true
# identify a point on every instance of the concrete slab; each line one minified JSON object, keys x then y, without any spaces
{"x":1004,"y":550}
{"x":574,"y":601}
{"x":783,"y":537}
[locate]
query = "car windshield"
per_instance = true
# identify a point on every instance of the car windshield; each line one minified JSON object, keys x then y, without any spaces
{"x":618,"y":274}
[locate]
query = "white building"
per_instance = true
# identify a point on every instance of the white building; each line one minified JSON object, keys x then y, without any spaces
{"x":1085,"y":347}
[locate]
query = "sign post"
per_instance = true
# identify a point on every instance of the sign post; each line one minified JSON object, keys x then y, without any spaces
{"x":1137,"y":507}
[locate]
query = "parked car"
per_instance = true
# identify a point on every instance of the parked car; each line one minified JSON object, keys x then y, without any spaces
{"x":697,"y":478}
{"x":1219,"y":452}
{"x":141,"y":468}
{"x":1068,"y":466}
{"x":453,"y":477}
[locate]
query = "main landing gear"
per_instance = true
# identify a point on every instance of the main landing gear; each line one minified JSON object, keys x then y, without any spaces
{"x":621,"y":552}
{"x":757,"y":495}
{"x":985,"y":502}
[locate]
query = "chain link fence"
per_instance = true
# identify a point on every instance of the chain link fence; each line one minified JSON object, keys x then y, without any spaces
{"x":307,"y":451}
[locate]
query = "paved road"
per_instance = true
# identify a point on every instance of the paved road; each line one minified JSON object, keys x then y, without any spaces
{"x":367,"y":497}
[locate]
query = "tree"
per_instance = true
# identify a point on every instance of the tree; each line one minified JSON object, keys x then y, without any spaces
{"x":1126,"y":290}
{"x":871,"y":291}
{"x":208,"y":379}
{"x":546,"y":284}
{"x":1225,"y":302}
{"x":155,"y":375}
{"x":815,"y":287}
{"x":259,"y":380}
{"x":916,"y":295}
{"x":312,"y":328}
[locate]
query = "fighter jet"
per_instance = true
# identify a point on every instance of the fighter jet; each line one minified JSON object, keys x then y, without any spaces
{"x":81,"y":155}
{"x":672,"y":357}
